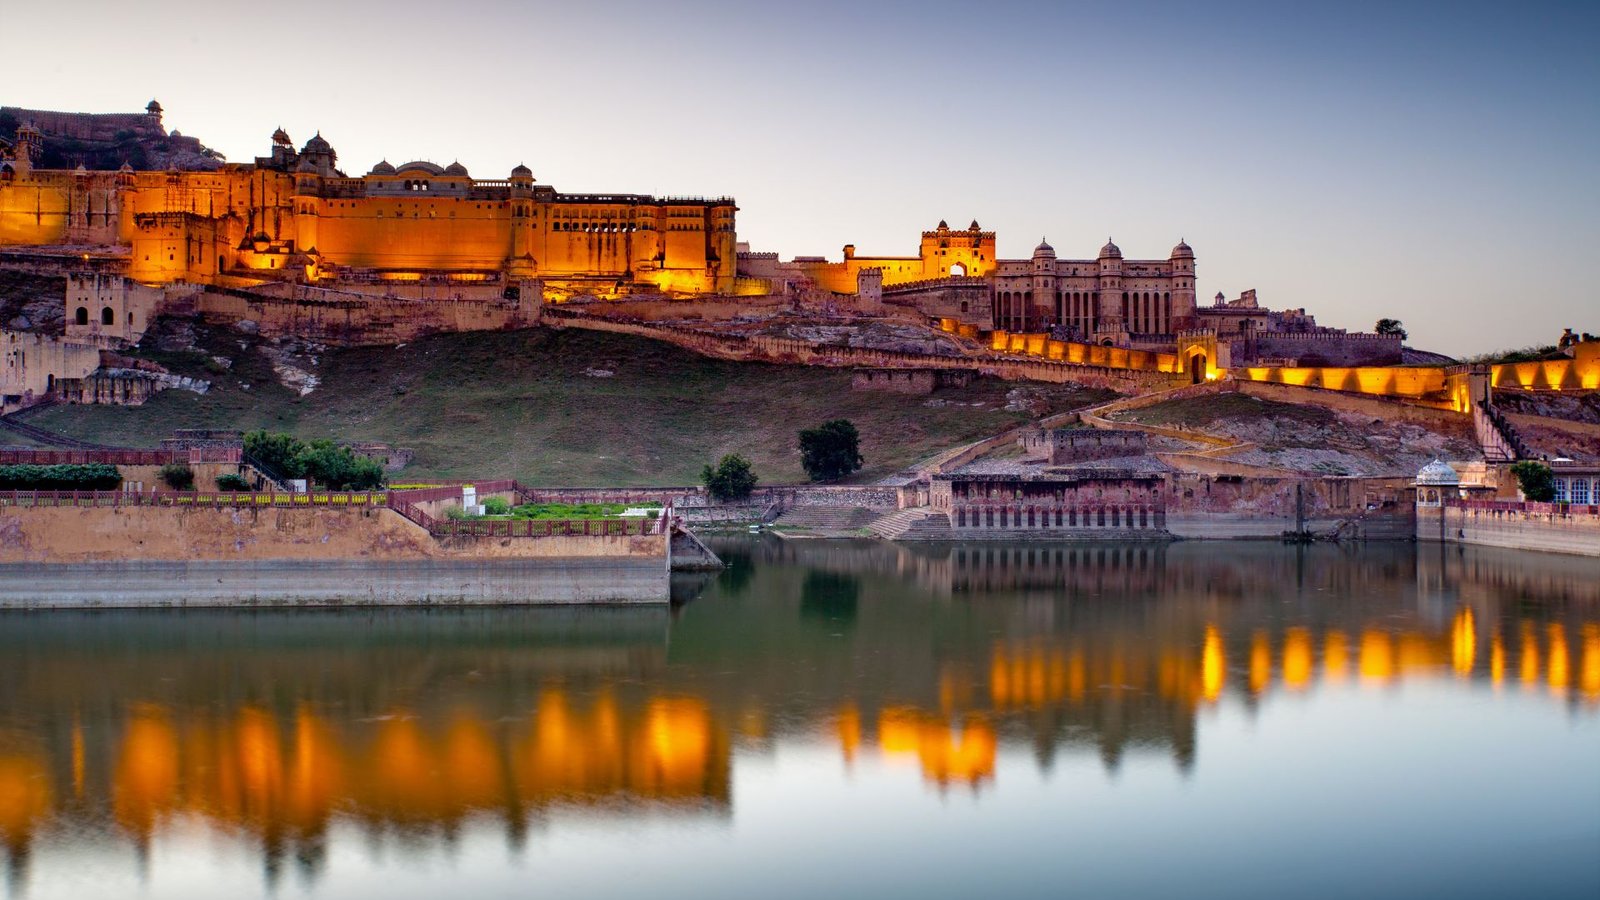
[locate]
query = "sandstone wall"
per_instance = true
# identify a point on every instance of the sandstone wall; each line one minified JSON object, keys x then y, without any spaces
{"x":1542,"y":527}
{"x":114,"y":534}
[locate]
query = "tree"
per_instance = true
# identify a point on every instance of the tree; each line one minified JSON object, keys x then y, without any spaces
{"x":276,"y":451}
{"x":334,"y":468}
{"x":830,"y":451}
{"x":1390,"y":326}
{"x":732,"y":479}
{"x":1537,"y":482}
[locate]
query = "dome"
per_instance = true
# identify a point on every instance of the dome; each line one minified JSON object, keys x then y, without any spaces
{"x":455,"y":168}
{"x":1111,"y":250}
{"x":80,"y":170}
{"x":1044,"y":249}
{"x":282,"y":137}
{"x":973,"y":226}
{"x":419,"y":165}
{"x":125,"y":168}
{"x":943,"y":225}
{"x":521,"y":171}
{"x":382,"y":168}
{"x":1182,"y":251}
{"x":1438,"y":472}
{"x":317,"y":144}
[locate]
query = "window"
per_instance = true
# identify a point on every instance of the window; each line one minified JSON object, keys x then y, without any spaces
{"x":107,"y":317}
{"x":82,"y":318}
{"x":1580,"y":491}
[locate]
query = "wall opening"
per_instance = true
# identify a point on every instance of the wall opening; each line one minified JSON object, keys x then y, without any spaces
{"x":1197,"y":368}
{"x":958,"y":270}
{"x":82,"y":317}
{"x":107,"y":317}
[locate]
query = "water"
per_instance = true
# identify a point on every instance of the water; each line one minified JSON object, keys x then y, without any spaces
{"x":837,"y":719}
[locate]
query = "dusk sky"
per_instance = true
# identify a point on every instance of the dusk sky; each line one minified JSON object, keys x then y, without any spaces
{"x":1431,"y":163}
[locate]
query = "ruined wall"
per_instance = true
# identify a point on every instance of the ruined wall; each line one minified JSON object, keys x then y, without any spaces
{"x":355,"y":322}
{"x":35,"y":363}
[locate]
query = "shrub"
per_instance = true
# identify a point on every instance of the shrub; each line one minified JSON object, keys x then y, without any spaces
{"x":320,"y":461}
{"x":732,"y":479}
{"x":496,"y":506}
{"x":832,"y":450}
{"x":67,"y":477}
{"x":456,"y":512}
{"x":177,"y":476}
{"x":233,"y":483}
{"x":1537,"y":482}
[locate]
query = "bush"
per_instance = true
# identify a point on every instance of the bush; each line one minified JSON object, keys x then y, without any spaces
{"x":233,"y":483}
{"x":456,"y":512}
{"x":75,"y":477}
{"x":496,"y":506}
{"x":177,"y":476}
{"x":732,"y":479}
{"x":328,"y":466}
{"x":830,"y":451}
{"x":1537,"y":482}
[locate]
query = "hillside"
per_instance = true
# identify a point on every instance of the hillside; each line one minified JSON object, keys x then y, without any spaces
{"x":1307,"y":438}
{"x":553,"y":407}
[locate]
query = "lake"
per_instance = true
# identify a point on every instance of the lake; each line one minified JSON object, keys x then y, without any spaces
{"x":837,"y":718}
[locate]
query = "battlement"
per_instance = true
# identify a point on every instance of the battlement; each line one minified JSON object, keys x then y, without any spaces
{"x":967,"y":281}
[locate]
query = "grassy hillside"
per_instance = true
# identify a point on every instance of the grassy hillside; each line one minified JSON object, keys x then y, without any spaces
{"x":536,"y":405}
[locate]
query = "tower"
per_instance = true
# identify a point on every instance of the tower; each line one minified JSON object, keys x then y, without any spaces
{"x":1046,"y":306}
{"x":1180,"y":313}
{"x":1110,"y":311}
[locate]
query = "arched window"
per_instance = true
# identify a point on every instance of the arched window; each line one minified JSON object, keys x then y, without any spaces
{"x":107,"y":317}
{"x":82,"y":318}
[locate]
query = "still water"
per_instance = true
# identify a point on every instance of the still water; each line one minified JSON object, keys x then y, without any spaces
{"x":838,"y":719}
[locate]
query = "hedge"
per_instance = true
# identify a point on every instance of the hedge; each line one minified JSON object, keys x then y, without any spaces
{"x":66,"y":477}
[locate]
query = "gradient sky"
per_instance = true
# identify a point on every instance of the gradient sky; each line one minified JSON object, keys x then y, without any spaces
{"x":1431,"y":162}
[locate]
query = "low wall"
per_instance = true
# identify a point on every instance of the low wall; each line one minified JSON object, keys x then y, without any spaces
{"x":332,"y":583}
{"x":1532,"y":526}
{"x":1407,"y":382}
{"x":179,"y":534}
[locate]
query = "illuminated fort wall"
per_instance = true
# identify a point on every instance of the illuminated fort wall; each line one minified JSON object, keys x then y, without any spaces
{"x":244,"y":224}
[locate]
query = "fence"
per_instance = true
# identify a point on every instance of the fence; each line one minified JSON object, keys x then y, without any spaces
{"x":122,"y":457}
{"x":193,"y":499}
{"x":406,"y":504}
{"x":1530,"y":508}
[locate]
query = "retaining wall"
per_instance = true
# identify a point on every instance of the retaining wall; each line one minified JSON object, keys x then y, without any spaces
{"x":1520,"y":526}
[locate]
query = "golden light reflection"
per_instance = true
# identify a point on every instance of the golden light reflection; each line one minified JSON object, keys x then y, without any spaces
{"x":1497,"y":659}
{"x":1260,"y":662}
{"x":1589,"y":668}
{"x":1530,"y":656}
{"x":847,"y":726}
{"x":1463,"y":642}
{"x":1335,"y":657}
{"x":25,"y":795}
{"x":1213,"y":666}
{"x":1557,"y":675}
{"x":964,"y":752}
{"x":1297,"y":662}
{"x":1376,"y":660}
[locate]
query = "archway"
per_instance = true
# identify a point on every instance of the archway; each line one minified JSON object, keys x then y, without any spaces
{"x":107,"y":317}
{"x":958,"y":271}
{"x":1197,"y":368}
{"x":82,"y":316}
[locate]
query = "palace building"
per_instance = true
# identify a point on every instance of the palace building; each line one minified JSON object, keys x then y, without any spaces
{"x":294,"y":215}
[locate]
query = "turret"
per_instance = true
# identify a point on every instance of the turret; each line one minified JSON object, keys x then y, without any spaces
{"x":1044,"y":284}
{"x":1184,"y":299}
{"x":1110,"y":284}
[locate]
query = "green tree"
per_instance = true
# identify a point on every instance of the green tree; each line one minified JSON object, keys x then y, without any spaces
{"x":277,"y":451}
{"x":1390,"y":326}
{"x":830,"y":451}
{"x":732,"y":479}
{"x":1538,"y":483}
{"x":232,"y":483}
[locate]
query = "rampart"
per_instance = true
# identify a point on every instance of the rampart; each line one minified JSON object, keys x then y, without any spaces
{"x":1314,"y":348}
{"x":1405,"y":382}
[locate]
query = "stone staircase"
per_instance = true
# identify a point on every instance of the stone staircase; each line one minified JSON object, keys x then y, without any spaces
{"x":826,"y":518}
{"x":916,"y":524}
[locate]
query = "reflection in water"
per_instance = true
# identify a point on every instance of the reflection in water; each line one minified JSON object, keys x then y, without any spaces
{"x":280,"y":725}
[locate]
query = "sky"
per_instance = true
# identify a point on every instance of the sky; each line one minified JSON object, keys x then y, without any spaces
{"x":1434,"y":163}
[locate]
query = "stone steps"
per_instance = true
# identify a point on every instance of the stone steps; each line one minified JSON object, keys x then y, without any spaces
{"x":829,"y":518}
{"x":918,"y":524}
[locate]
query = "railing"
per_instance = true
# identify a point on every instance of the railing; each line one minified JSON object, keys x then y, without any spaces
{"x":542,"y":527}
{"x":122,"y":457}
{"x":1520,"y":506}
{"x":193,"y":499}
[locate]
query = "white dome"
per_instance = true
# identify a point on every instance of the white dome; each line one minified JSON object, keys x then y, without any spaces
{"x":1438,"y":472}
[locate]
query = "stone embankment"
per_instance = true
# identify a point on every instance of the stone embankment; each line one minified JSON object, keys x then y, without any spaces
{"x":1547,"y":527}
